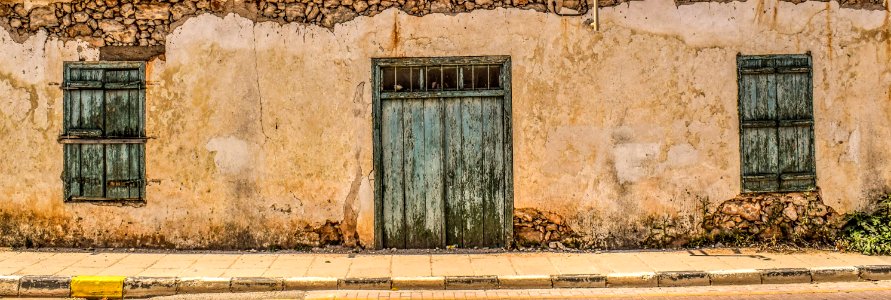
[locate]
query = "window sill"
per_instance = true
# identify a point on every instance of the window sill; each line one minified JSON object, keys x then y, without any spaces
{"x":80,"y":140}
{"x":133,"y":202}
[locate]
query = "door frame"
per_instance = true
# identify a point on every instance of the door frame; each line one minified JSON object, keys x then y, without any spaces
{"x":377,"y":64}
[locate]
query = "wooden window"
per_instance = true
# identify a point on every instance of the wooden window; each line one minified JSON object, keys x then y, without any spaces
{"x":776,"y":123}
{"x":103,"y":131}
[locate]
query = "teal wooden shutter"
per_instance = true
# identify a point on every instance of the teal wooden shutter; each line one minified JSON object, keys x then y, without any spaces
{"x":776,"y":123}
{"x":104,"y":131}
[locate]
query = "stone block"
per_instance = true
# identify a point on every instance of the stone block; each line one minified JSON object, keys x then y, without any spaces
{"x":419,"y":283}
{"x":471,"y":282}
{"x":784,"y":276}
{"x":524,"y":282}
{"x":835,"y":274}
{"x":9,"y":286}
{"x":197,"y":285}
{"x":875,"y":272}
{"x":579,"y":281}
{"x":45,"y":286}
{"x":144,"y":287}
{"x":383,"y":283}
{"x":256,"y":284}
{"x":309,"y":283}
{"x":154,"y":11}
{"x":639,"y":279}
{"x":735,"y":277}
{"x":683,"y":278}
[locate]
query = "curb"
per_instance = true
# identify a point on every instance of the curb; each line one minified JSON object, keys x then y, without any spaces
{"x":116,"y":287}
{"x":97,"y":287}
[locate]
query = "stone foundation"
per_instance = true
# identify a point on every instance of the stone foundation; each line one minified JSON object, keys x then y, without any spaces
{"x":534,"y":228}
{"x":772,"y":217}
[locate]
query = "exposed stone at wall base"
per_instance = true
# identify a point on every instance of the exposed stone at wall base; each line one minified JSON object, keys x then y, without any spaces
{"x":534,"y":228}
{"x":772,"y":217}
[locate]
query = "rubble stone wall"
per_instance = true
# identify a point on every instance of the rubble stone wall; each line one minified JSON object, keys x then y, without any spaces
{"x":147,"y":23}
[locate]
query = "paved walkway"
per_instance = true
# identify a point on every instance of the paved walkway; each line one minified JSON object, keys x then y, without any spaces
{"x":411,"y":265}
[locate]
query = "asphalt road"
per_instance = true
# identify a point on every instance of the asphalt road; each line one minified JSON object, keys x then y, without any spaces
{"x":824,"y":291}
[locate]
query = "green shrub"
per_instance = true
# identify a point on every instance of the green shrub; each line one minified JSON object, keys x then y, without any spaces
{"x":869,"y":233}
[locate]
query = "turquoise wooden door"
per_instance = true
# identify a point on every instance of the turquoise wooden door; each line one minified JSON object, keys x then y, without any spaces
{"x":442,"y":152}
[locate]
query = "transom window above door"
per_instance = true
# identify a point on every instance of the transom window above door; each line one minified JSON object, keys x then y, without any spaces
{"x":441,"y":78}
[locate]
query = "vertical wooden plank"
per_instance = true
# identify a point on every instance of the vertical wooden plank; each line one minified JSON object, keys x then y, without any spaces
{"x":471,"y":115}
{"x":75,"y":110}
{"x":118,"y":115}
{"x":92,"y":170}
{"x":392,"y":171}
{"x":434,"y":173}
{"x":72,"y":171}
{"x":454,"y":170}
{"x":796,"y":155}
{"x":377,"y":153}
{"x":506,"y":107}
{"x":794,"y":96}
{"x":758,"y":97}
{"x":491,"y":181}
{"x":92,"y":109}
{"x":415,"y":177}
{"x":117,"y":171}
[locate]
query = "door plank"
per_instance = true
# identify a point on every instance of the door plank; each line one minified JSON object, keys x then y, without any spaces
{"x":474,"y":214}
{"x":493,"y":179}
{"x":393,"y":194}
{"x":433,"y":168}
{"x":415,"y":174}
{"x":454,"y":171}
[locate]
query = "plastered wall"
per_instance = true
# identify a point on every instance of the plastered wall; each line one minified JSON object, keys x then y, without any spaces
{"x":261,"y":132}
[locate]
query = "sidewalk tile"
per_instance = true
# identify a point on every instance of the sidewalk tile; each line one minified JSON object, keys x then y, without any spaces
{"x":532,"y":265}
{"x":450,"y":265}
{"x":253,"y":261}
{"x":568,"y":264}
{"x":491,"y":265}
{"x":329,"y":266}
{"x":624,"y":263}
{"x":411,"y":266}
{"x":99,"y":260}
{"x":244,"y":272}
{"x":367,"y":266}
{"x":75,"y":271}
{"x":202,"y":272}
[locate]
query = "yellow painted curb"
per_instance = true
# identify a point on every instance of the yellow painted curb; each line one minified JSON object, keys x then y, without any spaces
{"x":97,"y":287}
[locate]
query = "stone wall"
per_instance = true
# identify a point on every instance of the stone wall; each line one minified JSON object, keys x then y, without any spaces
{"x":772,"y":217}
{"x":147,"y":23}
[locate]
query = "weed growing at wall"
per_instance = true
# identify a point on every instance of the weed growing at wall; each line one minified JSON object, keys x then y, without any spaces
{"x":869,"y":233}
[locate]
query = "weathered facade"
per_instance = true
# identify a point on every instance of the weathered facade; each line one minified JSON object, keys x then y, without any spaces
{"x":625,"y":126}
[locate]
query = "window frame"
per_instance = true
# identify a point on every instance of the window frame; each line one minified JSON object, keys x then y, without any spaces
{"x":74,"y":136}
{"x":776,"y":64}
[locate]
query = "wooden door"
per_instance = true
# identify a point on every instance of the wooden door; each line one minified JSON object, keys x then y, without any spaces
{"x":442,"y":157}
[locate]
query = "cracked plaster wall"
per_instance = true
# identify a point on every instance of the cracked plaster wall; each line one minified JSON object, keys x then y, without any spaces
{"x":261,"y":132}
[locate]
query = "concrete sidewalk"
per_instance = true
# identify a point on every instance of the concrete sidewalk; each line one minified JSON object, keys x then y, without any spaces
{"x":153,"y":274}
